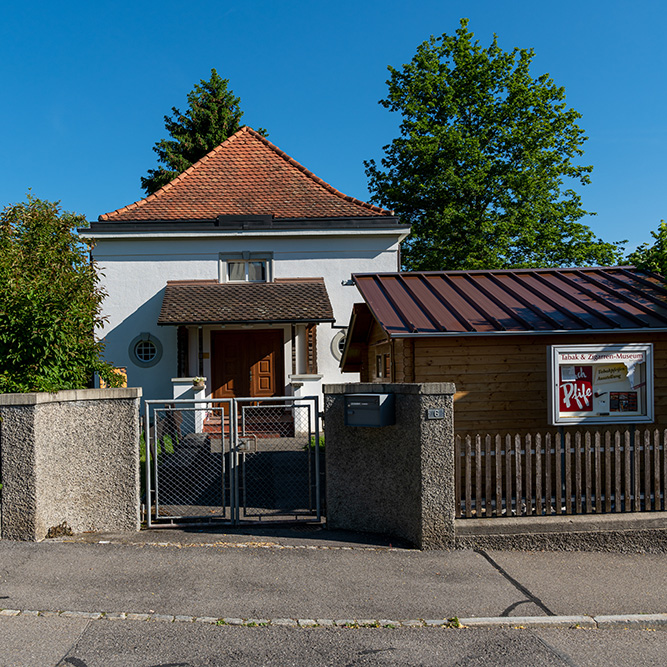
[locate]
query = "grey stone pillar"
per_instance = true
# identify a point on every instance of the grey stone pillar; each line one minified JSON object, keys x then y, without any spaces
{"x":396,"y":480}
{"x":72,"y":457}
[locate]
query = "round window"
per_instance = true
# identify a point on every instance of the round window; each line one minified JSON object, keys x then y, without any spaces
{"x":338,"y":344}
{"x":145,"y":350}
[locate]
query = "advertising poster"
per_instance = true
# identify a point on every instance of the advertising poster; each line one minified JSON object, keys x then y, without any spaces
{"x":605,"y":384}
{"x":576,"y":388}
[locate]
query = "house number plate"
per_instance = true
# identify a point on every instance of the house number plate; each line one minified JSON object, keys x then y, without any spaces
{"x":436,"y":413}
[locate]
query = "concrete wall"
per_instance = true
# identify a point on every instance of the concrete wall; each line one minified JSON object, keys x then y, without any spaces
{"x":632,"y":532}
{"x":69,"y":457}
{"x":393,"y":479}
{"x":399,"y":481}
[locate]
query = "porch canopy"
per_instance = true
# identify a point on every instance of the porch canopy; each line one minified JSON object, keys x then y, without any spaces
{"x":284,"y":301}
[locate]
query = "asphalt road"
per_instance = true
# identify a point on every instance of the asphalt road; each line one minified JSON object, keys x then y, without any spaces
{"x":42,"y":642}
{"x":271,"y":575}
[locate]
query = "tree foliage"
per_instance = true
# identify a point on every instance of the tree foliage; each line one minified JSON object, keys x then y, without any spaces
{"x":49,"y":302}
{"x":479,"y":167}
{"x":652,"y":257}
{"x":213,"y":115}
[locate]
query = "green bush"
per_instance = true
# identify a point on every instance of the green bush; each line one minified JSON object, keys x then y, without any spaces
{"x":50,"y":302}
{"x":311,"y":444}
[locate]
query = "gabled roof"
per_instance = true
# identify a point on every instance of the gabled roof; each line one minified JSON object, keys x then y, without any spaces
{"x":245,"y":175}
{"x":515,"y":301}
{"x":211,"y":302}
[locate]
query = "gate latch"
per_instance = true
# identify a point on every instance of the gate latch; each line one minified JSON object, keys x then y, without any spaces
{"x":246,"y":444}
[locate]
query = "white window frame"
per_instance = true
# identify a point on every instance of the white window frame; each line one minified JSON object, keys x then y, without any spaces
{"x":247,"y":258}
{"x":339,"y":336}
{"x":592,"y":355}
{"x":145,"y":337}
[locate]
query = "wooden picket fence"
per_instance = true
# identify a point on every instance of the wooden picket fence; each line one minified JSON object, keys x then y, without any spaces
{"x":561,"y":473}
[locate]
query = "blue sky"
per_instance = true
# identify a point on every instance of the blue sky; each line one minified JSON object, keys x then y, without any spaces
{"x":85,"y":87}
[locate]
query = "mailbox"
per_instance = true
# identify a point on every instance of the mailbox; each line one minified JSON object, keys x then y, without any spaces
{"x":369,"y":410}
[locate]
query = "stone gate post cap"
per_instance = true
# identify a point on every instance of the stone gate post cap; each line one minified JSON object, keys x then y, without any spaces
{"x":424,"y":388}
{"x":35,"y":398}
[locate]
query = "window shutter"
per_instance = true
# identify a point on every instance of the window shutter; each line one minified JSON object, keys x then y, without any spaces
{"x":311,"y":338}
{"x":182,"y":370}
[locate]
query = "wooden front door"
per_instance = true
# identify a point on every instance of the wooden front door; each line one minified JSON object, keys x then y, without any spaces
{"x":247,"y":363}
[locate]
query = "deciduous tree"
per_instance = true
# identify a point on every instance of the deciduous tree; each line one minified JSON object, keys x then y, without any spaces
{"x":49,"y":302}
{"x":652,"y":257}
{"x":480,"y":166}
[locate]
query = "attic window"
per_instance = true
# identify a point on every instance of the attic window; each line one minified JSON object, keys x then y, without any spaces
{"x":145,"y":351}
{"x":246,"y":267}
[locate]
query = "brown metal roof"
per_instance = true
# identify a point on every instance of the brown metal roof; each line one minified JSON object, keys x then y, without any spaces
{"x":210,"y":302}
{"x":515,"y":301}
{"x":361,"y":325}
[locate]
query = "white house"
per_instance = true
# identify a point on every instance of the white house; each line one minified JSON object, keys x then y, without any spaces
{"x":236,"y":271}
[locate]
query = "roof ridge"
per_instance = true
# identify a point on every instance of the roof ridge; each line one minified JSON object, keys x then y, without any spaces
{"x":327,"y":186}
{"x":244,"y":132}
{"x":276,"y":281}
{"x":307,"y":279}
{"x":541,"y":269}
{"x":173,"y":181}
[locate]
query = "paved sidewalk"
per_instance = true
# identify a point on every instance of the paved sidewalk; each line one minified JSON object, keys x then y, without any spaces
{"x":310,"y":575}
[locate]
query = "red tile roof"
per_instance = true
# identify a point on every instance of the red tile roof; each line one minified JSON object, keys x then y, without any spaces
{"x":515,"y":301}
{"x":245,"y":175}
{"x":210,"y":302}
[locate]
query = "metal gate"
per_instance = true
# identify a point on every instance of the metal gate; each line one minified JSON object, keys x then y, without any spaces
{"x":232,"y":460}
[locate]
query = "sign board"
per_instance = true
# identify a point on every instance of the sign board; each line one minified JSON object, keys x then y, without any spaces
{"x":601,"y":384}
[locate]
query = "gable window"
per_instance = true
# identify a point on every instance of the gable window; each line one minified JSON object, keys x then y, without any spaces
{"x":246,"y":267}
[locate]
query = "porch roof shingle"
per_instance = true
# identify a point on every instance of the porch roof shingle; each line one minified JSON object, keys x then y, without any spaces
{"x":211,"y":302}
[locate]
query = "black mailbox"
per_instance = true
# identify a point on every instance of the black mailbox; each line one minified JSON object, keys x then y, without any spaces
{"x":369,"y":410}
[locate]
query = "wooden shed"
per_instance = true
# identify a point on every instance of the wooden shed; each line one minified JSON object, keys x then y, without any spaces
{"x":528,"y":349}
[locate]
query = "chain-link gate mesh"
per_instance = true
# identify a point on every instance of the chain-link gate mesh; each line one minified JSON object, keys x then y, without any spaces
{"x":277,"y":466}
{"x":190,"y":457}
{"x":232,"y":460}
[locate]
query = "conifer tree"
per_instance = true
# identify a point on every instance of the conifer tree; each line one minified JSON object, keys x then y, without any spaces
{"x":213,"y":115}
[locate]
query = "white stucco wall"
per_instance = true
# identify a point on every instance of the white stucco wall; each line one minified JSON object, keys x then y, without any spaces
{"x":135,"y":271}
